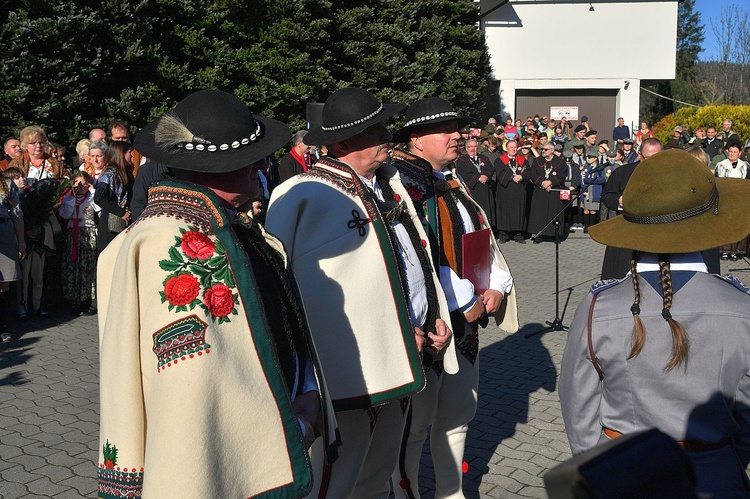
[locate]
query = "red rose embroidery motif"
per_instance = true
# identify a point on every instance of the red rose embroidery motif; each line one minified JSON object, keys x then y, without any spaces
{"x":414,"y":192}
{"x":181,"y":289}
{"x":219,"y":300}
{"x":197,"y":245}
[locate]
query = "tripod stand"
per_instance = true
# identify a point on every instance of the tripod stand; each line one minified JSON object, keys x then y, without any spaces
{"x":556,"y":323}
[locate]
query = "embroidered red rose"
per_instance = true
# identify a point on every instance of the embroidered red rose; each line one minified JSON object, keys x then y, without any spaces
{"x":219,"y":300}
{"x":109,"y":465}
{"x":414,"y":192}
{"x":181,"y":289}
{"x":197,"y":245}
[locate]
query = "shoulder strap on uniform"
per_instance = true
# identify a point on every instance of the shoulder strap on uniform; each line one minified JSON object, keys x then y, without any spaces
{"x":594,"y":360}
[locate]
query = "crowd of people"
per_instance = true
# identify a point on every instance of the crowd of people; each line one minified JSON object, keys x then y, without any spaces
{"x":339,"y":293}
{"x":64,"y":217}
{"x":519,"y":173}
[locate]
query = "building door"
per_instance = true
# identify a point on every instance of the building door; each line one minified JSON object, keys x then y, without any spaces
{"x":599,"y":105}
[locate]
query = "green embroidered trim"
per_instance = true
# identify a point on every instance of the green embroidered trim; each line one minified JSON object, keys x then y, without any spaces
{"x":250,"y":291}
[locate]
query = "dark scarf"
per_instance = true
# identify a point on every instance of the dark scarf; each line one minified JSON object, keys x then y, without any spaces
{"x":405,"y":219}
{"x":283,"y":315}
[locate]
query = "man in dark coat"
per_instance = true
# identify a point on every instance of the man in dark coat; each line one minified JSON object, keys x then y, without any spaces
{"x":511,"y":192}
{"x":294,"y":162}
{"x":548,"y":174}
{"x":476,"y":170}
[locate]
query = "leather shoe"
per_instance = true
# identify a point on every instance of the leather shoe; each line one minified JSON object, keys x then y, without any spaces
{"x":89,"y":311}
{"x":42,"y":313}
{"x":520,"y":241}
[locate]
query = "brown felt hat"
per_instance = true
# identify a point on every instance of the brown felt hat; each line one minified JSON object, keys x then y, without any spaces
{"x":674,"y":204}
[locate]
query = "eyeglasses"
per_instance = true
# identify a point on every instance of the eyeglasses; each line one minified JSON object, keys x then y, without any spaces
{"x":38,"y":143}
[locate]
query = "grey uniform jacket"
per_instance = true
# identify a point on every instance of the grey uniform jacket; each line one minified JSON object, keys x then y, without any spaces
{"x":708,"y":401}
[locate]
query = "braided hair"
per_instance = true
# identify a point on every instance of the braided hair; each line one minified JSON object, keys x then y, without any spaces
{"x":680,"y":341}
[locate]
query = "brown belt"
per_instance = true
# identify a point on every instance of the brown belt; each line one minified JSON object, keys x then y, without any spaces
{"x":688,"y":445}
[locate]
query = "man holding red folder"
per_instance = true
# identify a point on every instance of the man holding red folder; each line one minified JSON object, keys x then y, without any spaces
{"x":476,"y":282}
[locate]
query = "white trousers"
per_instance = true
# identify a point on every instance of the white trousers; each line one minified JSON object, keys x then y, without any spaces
{"x":370,"y":441}
{"x":448,"y":403}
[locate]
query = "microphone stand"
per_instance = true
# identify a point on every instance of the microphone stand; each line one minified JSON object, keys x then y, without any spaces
{"x":556,"y":323}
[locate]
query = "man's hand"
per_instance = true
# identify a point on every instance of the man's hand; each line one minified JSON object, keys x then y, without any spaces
{"x":517,"y":178}
{"x":307,"y":408}
{"x":476,"y":312}
{"x":483,"y":179}
{"x":419,"y":338}
{"x":492,"y":300}
{"x":546,"y":185}
{"x":439,"y":339}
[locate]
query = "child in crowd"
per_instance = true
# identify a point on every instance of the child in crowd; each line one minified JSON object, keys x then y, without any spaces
{"x":79,"y":260}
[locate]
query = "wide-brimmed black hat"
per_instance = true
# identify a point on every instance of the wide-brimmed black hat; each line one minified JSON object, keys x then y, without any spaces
{"x":348,"y":112}
{"x":211,"y":131}
{"x":429,"y":111}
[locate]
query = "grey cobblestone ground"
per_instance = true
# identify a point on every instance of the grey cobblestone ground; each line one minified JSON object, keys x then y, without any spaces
{"x":49,"y":391}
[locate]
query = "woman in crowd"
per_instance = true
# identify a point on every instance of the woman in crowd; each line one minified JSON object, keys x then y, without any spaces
{"x":643,"y":133}
{"x":79,"y":260}
{"x":559,"y":137}
{"x":35,"y":163}
{"x":511,"y":132}
{"x":668,"y":347}
{"x":82,"y":150}
{"x":12,"y":248}
{"x":96,"y":159}
{"x":113,"y":191}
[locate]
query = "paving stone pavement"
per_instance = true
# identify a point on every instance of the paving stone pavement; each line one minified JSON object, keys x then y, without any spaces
{"x":49,"y":391}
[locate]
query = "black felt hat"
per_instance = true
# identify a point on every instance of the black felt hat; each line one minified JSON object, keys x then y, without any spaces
{"x":211,"y":131}
{"x":348,"y":112}
{"x":590,"y":133}
{"x":429,"y":111}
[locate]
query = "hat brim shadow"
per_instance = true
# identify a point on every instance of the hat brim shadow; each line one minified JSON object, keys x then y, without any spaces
{"x":319,"y":137}
{"x":404,"y":134}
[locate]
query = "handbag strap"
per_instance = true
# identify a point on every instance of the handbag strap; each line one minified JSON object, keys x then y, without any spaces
{"x":592,"y":354}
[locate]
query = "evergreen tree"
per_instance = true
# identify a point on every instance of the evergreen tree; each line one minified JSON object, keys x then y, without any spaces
{"x":684,"y":87}
{"x":406,"y":50}
{"x":71,"y":65}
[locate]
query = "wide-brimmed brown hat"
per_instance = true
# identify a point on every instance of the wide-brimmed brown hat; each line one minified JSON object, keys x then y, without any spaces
{"x":674,"y":204}
{"x":346,"y":113}
{"x":211,"y":131}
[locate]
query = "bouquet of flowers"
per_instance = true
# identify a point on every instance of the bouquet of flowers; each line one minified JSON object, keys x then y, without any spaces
{"x":40,"y":199}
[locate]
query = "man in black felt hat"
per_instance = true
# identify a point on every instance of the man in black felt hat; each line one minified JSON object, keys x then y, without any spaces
{"x":449,"y":401}
{"x":361,"y":258}
{"x":208,"y":382}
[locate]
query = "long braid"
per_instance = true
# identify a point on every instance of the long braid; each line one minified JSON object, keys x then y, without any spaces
{"x":4,"y":188}
{"x":639,"y":333}
{"x":680,"y":342}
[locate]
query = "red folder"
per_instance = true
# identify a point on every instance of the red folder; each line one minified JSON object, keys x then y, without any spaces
{"x":475,"y":259}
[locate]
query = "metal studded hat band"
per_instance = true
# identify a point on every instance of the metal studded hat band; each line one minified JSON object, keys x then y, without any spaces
{"x":353,"y":123}
{"x":431,"y":117}
{"x":713,"y":201}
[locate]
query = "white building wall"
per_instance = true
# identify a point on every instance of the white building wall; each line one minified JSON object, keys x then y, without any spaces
{"x":604,"y":48}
